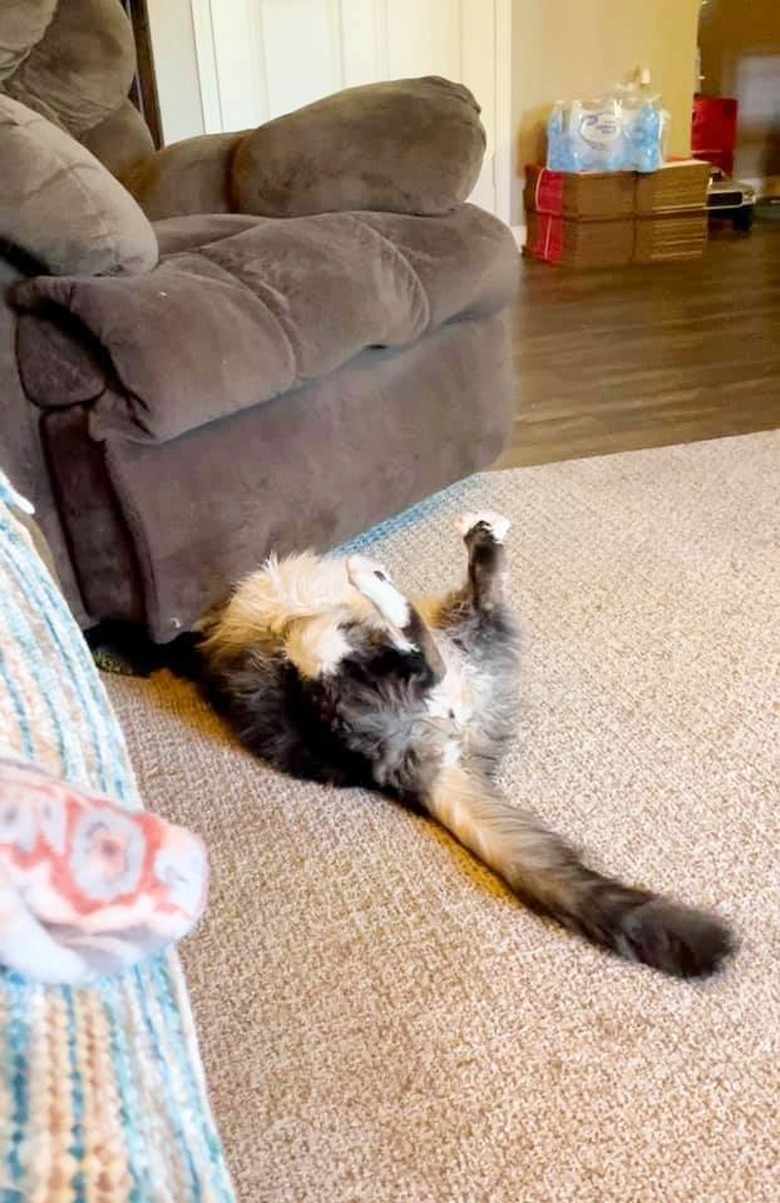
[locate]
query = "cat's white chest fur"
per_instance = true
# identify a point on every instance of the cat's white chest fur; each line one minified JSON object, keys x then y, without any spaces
{"x":456,"y":703}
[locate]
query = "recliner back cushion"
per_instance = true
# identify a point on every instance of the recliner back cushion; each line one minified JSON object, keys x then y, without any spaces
{"x":60,"y":206}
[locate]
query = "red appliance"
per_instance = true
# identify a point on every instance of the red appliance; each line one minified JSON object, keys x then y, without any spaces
{"x":714,"y":132}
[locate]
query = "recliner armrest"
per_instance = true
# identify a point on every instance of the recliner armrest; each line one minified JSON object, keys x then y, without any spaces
{"x":404,"y":146}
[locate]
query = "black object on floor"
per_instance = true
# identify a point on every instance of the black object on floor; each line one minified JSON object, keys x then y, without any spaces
{"x":125,"y":649}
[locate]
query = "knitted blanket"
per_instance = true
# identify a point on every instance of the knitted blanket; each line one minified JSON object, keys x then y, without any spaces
{"x":102,"y":1092}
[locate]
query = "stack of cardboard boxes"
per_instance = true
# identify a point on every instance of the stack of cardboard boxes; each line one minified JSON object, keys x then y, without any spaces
{"x":611,"y":218}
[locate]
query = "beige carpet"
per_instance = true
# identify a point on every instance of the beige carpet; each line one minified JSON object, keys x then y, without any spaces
{"x":381,"y":1022}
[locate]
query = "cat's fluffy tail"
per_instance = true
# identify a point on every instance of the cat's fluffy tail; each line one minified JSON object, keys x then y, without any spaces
{"x":548,"y":875}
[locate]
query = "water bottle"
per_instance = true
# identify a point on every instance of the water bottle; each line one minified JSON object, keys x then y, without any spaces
{"x":556,"y":138}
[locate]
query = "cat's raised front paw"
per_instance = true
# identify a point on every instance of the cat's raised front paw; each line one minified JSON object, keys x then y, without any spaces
{"x":497,"y":524}
{"x":372,"y":579}
{"x":363,"y":573}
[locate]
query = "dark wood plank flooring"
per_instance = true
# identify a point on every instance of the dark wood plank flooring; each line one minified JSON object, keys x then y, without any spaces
{"x":623,"y":358}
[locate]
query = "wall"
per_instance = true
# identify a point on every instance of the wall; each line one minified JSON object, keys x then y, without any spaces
{"x":175,"y":68}
{"x":558,"y":49}
{"x":231,"y":64}
{"x":740,"y":55}
{"x":562,"y":49}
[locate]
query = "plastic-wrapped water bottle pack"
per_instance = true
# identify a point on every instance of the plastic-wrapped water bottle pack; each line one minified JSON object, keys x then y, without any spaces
{"x":623,"y":130}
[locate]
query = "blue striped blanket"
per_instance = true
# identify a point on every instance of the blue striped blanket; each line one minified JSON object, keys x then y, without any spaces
{"x":102,"y":1092}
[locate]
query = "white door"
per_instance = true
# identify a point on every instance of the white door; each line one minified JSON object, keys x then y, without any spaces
{"x":257,"y":59}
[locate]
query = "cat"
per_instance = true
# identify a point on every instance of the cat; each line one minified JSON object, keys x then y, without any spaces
{"x":325,"y":670}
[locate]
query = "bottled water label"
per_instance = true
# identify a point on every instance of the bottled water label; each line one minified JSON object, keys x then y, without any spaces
{"x":625,"y":131}
{"x":599,"y":129}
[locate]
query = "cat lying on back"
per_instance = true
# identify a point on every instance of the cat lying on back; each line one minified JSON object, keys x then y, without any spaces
{"x":327,"y":671}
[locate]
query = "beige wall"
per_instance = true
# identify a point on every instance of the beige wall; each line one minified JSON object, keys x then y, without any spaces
{"x":740,"y":56}
{"x":562,"y":49}
{"x":175,"y":67}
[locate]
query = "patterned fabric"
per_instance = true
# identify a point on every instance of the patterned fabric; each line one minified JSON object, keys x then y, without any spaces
{"x":88,"y":888}
{"x":102,"y":1093}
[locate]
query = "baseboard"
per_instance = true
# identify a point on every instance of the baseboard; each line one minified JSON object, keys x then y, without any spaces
{"x":519,"y":233}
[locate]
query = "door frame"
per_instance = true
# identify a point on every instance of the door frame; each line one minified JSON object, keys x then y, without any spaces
{"x":504,"y":163}
{"x":143,"y":90}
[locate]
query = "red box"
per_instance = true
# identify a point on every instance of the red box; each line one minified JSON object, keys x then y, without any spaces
{"x":714,"y":130}
{"x":575,"y":243}
{"x":587,"y":195}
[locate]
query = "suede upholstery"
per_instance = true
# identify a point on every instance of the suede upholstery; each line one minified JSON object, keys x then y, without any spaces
{"x":80,"y":70}
{"x":419,"y":144}
{"x":321,"y":344}
{"x":408,"y":146}
{"x":405,"y":146}
{"x":292,"y":300}
{"x":60,"y":205}
{"x":187,"y":178}
{"x":120,"y":140}
{"x":22,"y":454}
{"x":22,"y":27}
{"x":182,"y":520}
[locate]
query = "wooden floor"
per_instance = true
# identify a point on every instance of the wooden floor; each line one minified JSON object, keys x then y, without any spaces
{"x":623,"y":358}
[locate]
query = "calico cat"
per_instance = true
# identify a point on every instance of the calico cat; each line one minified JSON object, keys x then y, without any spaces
{"x":325,"y":670}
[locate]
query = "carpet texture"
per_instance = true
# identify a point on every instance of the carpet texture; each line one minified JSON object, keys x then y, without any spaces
{"x":381,"y":1022}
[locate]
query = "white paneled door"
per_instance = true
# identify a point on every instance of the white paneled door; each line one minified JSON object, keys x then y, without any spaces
{"x":257,"y":59}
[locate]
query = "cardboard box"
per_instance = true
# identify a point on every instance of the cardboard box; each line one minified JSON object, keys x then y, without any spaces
{"x":607,"y":219}
{"x":580,"y":244}
{"x":679,"y":184}
{"x":591,"y":196}
{"x":587,"y":244}
{"x":666,"y":236}
{"x":585,"y":195}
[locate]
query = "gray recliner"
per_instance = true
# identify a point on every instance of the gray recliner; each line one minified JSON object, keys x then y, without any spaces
{"x":242,"y":343}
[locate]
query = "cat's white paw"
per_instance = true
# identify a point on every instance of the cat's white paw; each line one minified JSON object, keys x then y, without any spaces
{"x":364,"y":572}
{"x":497,"y":524}
{"x":372,"y":579}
